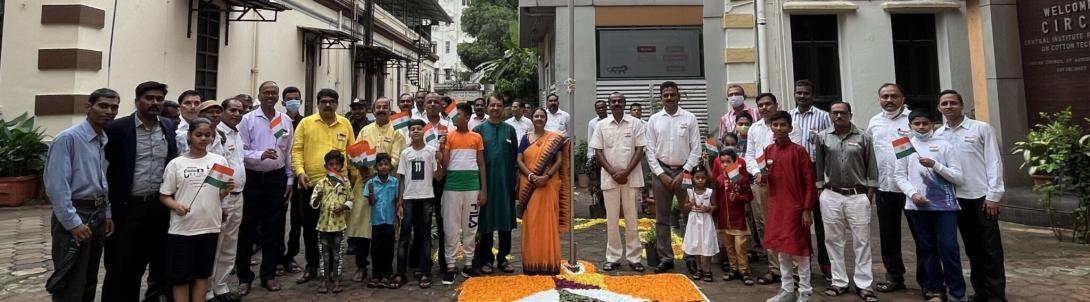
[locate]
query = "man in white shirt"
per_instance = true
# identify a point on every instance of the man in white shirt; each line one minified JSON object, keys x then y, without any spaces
{"x":419,"y":109}
{"x":619,"y":144}
{"x":558,"y":119}
{"x":232,"y":204}
{"x":810,"y":121}
{"x":760,"y":136}
{"x":591,"y":166}
{"x":673,"y":149}
{"x":479,"y":115}
{"x":884,"y":127}
{"x":522,"y":124}
{"x":978,"y":196}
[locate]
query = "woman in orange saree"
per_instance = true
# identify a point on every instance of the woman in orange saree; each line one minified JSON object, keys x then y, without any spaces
{"x":545,"y":191}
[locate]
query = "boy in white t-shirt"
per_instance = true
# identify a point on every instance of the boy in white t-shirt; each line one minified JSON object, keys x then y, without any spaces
{"x":196,"y":213}
{"x":419,"y":167}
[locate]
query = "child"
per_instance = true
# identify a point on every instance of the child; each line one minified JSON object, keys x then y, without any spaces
{"x":187,"y":190}
{"x":927,"y":176}
{"x":419,"y":167}
{"x":333,"y":200}
{"x":700,"y":240}
{"x":463,"y":157}
{"x":742,"y":121}
{"x":381,"y":193}
{"x":791,"y":193}
{"x":733,"y":194}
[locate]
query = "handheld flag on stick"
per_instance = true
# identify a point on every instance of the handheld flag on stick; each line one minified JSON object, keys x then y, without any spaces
{"x":277,"y":127}
{"x":361,"y":154}
{"x":711,"y":147}
{"x":903,"y":147}
{"x":219,"y":176}
{"x":432,"y":133}
{"x":401,"y":120}
{"x":762,"y":164}
{"x":686,"y":181}
{"x":452,"y":110}
{"x":734,"y":171}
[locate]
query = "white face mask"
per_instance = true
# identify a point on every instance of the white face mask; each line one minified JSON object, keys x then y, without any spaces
{"x":293,"y":105}
{"x":892,"y":114}
{"x":924,"y":136}
{"x":736,"y":101}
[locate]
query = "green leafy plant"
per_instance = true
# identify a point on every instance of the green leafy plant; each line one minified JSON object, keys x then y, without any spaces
{"x":514,"y":73}
{"x":581,"y":157}
{"x":1060,"y":148}
{"x":1048,"y":147}
{"x":21,"y":147}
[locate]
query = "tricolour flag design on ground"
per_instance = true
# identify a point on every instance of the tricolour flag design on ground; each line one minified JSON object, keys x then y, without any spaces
{"x":734,"y":172}
{"x":361,"y":154}
{"x":219,"y":176}
{"x":711,"y":147}
{"x":452,"y":110}
{"x":903,"y":147}
{"x":277,"y":127}
{"x":762,"y":164}
{"x":432,"y":133}
{"x":401,"y":120}
{"x":686,"y":181}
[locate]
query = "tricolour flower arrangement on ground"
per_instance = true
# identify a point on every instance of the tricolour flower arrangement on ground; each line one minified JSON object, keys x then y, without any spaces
{"x":585,"y":284}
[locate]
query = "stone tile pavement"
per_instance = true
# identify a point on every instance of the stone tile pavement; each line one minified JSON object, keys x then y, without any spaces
{"x":1038,"y":267}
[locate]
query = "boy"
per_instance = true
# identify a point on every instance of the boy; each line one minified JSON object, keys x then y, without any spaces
{"x":733,"y":194}
{"x":928,"y":168}
{"x":789,"y":175}
{"x":333,"y":200}
{"x":419,"y":166}
{"x":381,"y":193}
{"x":463,"y":158}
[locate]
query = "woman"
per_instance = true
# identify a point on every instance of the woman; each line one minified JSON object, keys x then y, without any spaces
{"x":545,"y":192}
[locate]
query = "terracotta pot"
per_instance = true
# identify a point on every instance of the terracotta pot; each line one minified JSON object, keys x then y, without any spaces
{"x":15,"y":190}
{"x":1039,"y":180}
{"x":582,"y":180}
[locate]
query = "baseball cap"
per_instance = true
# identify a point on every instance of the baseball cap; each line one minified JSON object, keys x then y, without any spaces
{"x":357,"y":102}
{"x":170,"y":103}
{"x":209,"y":104}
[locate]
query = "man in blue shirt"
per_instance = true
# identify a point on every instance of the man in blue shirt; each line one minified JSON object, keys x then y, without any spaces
{"x":75,"y":181}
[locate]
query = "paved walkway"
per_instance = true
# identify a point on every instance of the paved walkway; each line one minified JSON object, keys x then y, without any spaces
{"x":1038,"y":267}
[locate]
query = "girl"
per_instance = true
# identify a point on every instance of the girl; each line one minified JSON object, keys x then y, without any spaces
{"x":700,"y":238}
{"x":197,"y":214}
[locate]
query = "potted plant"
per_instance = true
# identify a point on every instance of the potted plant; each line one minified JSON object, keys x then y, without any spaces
{"x":582,"y":179}
{"x":23,"y":154}
{"x":1049,"y":147}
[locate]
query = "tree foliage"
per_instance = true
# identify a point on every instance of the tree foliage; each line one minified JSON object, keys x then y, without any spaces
{"x":486,"y":20}
{"x":515,"y":73}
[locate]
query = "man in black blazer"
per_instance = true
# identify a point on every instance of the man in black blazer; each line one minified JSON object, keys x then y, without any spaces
{"x":139,"y":147}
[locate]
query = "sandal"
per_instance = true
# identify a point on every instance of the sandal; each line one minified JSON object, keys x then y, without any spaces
{"x":835,"y":291}
{"x":866,"y":294}
{"x":768,"y":278}
{"x":271,"y":285}
{"x":697,"y":275}
{"x":486,"y":269}
{"x":731,"y":275}
{"x":506,"y":267}
{"x":306,"y":277}
{"x":383,"y":283}
{"x":425,"y":282}
{"x":373,"y":282}
{"x":396,"y":283}
{"x":934,"y":296}
{"x":888,"y":286}
{"x":610,"y":266}
{"x":636,"y":267}
{"x":294,"y":268}
{"x":323,"y":287}
{"x":337,"y":287}
{"x":747,"y":280}
{"x":359,"y":276}
{"x":708,"y":277}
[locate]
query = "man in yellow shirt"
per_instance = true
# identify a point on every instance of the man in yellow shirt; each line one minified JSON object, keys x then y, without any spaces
{"x":315,"y":136}
{"x":382,"y":136}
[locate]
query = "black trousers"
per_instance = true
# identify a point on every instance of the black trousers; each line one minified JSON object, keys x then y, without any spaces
{"x":484,"y":253}
{"x":382,"y":250}
{"x":363,"y":248}
{"x":415,"y":235}
{"x":76,"y":264}
{"x":295,"y":210}
{"x":137,"y":245}
{"x":437,"y":207}
{"x":891,"y":207}
{"x":310,"y":233}
{"x":262,"y":222}
{"x":984,"y":246}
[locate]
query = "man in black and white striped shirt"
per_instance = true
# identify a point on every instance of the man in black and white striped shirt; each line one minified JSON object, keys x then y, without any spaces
{"x":810,"y":121}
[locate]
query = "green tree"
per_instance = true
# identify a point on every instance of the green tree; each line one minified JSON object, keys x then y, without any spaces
{"x":486,"y":20}
{"x":515,"y":73}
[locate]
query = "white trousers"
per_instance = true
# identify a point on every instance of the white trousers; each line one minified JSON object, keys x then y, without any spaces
{"x":460,"y":219}
{"x":622,"y":198}
{"x":227,"y":248}
{"x":788,"y":263}
{"x":839,"y":212}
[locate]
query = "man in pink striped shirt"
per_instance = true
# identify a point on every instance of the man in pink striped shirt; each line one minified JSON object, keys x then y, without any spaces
{"x":736,"y":97}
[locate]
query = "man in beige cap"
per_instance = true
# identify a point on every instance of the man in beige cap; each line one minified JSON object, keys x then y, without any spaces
{"x":210,"y":110}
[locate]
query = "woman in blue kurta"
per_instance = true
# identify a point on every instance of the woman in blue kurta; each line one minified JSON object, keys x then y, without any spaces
{"x":498,"y":215}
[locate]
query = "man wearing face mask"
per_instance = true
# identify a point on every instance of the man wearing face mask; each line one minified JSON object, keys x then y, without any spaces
{"x":736,"y":98}
{"x":884,"y":127}
{"x":292,"y":98}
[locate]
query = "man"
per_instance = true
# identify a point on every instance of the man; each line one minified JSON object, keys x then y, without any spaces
{"x":247,"y":102}
{"x":760,"y":136}
{"x":558,"y":119}
{"x":212,"y":111}
{"x":382,"y":136}
{"x":405,"y":103}
{"x":292,"y":103}
{"x":292,"y":98}
{"x":592,"y":167}
{"x":846,"y":155}
{"x":267,"y":137}
{"x":979,"y":196}
{"x":316,"y":136}
{"x":170,"y":111}
{"x":189,"y":100}
{"x":619,"y":143}
{"x":498,"y":215}
{"x":139,"y":148}
{"x":359,"y":116}
{"x":809,"y":121}
{"x":884,"y":127}
{"x":636,"y":110}
{"x":479,"y":115}
{"x":736,"y":98}
{"x":522,"y":124}
{"x":528,"y":110}
{"x":673,"y":149}
{"x":75,"y":181}
{"x":226,"y":249}
{"x":419,"y":107}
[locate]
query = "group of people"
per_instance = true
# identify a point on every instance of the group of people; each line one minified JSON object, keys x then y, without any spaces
{"x":188,"y":199}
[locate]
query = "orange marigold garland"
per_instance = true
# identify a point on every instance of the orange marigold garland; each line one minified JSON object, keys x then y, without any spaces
{"x":505,"y":288}
{"x":659,"y":287}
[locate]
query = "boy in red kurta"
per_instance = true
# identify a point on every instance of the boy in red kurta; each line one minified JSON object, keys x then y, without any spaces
{"x":732,"y":193}
{"x":790,"y":178}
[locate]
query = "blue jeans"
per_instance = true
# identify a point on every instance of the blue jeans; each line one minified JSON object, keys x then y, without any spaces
{"x":937,"y":242}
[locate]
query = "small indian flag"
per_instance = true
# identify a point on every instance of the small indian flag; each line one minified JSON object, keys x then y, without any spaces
{"x":761,"y":163}
{"x":711,"y":147}
{"x":734,"y":172}
{"x":277,"y":126}
{"x":903,"y":147}
{"x":452,"y":110}
{"x":361,"y":154}
{"x":433,"y":132}
{"x":686,"y":181}
{"x":219,"y":176}
{"x":401,"y":120}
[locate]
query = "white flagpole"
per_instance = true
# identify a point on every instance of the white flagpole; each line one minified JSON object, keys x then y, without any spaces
{"x":571,"y":103}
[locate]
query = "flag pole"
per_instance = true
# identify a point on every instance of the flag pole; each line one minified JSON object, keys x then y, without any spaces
{"x":571,"y":106}
{"x":195,"y":194}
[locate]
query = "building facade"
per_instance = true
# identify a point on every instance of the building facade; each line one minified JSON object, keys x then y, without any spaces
{"x":447,"y":37}
{"x":54,"y":55}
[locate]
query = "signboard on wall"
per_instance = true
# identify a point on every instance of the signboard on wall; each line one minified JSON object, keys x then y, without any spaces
{"x":642,"y":52}
{"x":1055,"y":37}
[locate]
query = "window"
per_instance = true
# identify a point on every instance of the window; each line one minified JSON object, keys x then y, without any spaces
{"x":448,"y":46}
{"x":208,"y":49}
{"x":916,"y":59}
{"x":437,"y":78}
{"x":446,"y":74}
{"x":465,"y":2}
{"x":815,"y":55}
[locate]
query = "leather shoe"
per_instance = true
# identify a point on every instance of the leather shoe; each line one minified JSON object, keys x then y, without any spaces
{"x":664,"y":266}
{"x":889,"y":286}
{"x":244,"y":289}
{"x":271,"y":285}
